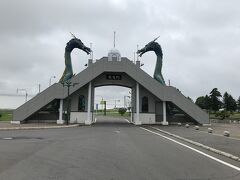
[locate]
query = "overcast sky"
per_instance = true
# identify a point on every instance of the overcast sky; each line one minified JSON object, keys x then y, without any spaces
{"x":200,"y":40}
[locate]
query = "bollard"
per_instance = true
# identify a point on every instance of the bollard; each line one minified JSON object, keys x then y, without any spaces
{"x":196,"y":127}
{"x":187,"y":125}
{"x":179,"y":124}
{"x":226,"y":133}
{"x":210,"y":130}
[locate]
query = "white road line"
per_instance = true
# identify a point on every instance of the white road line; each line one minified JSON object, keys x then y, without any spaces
{"x":127,"y":120}
{"x":200,"y":152}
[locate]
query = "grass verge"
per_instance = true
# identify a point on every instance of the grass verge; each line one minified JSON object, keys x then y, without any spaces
{"x":6,"y":114}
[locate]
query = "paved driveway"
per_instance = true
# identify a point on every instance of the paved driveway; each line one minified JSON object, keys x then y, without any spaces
{"x":110,"y":149}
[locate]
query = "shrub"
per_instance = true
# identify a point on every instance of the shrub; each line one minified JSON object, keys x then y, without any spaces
{"x":222,"y":114}
{"x":122,"y":111}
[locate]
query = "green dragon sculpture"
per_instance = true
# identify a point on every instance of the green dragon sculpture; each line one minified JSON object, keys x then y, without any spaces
{"x":72,"y":44}
{"x":154,"y":46}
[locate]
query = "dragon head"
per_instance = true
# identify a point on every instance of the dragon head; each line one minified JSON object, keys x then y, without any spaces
{"x":151,"y":46}
{"x":77,"y":43}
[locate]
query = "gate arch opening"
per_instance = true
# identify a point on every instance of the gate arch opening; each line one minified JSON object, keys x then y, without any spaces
{"x":112,"y":104}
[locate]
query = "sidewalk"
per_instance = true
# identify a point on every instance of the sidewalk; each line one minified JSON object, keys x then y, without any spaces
{"x":6,"y":125}
{"x":217,"y":141}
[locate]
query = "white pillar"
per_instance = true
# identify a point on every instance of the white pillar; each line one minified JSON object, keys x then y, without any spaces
{"x":137,"y":120}
{"x":89,"y":120}
{"x":60,"y":120}
{"x":164,"y":122}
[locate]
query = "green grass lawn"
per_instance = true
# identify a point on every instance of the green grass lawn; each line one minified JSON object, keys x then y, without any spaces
{"x":234,"y":116}
{"x":6,"y":115}
{"x":113,"y":114}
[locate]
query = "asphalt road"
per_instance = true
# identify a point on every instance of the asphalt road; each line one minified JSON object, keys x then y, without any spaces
{"x":220,"y":142}
{"x":104,"y":151}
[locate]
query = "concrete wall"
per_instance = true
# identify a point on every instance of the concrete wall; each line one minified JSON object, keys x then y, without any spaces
{"x":75,"y":98}
{"x":151,"y":99}
{"x":78,"y":117}
{"x":147,"y":118}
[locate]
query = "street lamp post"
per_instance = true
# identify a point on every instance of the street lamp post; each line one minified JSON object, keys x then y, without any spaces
{"x":68,"y":84}
{"x":25,"y":92}
{"x":50,"y":80}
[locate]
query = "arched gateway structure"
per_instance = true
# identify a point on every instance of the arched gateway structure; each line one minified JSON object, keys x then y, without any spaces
{"x":150,"y":99}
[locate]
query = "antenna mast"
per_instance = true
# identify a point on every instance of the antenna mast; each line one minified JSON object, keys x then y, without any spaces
{"x":91,"y":53}
{"x":114,"y":38}
{"x":137,"y":51}
{"x":134,"y":57}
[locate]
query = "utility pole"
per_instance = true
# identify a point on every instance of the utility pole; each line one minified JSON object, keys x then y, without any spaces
{"x":25,"y":92}
{"x":105,"y":107}
{"x":39,"y":88}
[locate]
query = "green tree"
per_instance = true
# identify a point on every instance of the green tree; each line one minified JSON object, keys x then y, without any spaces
{"x":203,"y":102}
{"x":238,"y":104}
{"x":226,"y":101}
{"x":229,"y":102}
{"x":122,"y":111}
{"x":215,"y":101}
{"x":207,"y":102}
{"x":200,"y":101}
{"x":233,"y":104}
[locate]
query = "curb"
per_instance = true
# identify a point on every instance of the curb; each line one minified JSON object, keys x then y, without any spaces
{"x":43,"y":127}
{"x":236,"y":158}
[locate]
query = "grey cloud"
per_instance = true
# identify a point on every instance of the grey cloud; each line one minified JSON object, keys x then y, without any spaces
{"x":200,"y":39}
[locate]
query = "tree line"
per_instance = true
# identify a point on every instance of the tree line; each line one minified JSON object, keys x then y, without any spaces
{"x":212,"y":102}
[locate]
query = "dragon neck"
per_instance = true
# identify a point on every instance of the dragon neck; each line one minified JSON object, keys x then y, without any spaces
{"x":68,"y":61}
{"x":158,"y":68}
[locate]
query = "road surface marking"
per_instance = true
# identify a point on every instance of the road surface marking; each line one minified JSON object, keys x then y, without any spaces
{"x":7,"y":138}
{"x":200,"y":152}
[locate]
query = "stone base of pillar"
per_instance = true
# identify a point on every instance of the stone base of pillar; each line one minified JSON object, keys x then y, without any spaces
{"x":137,"y":123}
{"x":88,"y":122}
{"x":60,"y":121}
{"x":165,"y":123}
{"x":16,"y":122}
